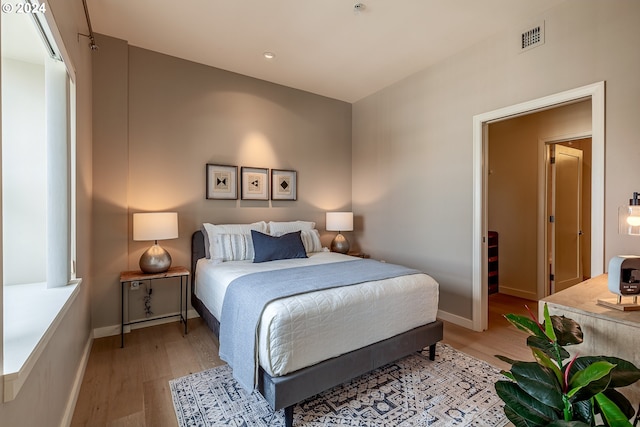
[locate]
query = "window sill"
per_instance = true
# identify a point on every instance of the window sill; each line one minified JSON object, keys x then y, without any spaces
{"x":32,"y":314}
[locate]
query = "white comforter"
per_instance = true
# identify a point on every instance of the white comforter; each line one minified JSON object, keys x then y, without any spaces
{"x":303,"y":330}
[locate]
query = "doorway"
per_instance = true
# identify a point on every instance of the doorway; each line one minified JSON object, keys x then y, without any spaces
{"x":595,"y":93}
{"x":529,"y":194}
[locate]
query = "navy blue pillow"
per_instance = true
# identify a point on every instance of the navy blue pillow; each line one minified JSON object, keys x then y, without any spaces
{"x":270,"y":248}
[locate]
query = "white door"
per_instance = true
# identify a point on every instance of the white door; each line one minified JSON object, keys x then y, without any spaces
{"x":565,"y":217}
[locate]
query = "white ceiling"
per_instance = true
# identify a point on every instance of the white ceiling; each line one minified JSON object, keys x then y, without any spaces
{"x":321,"y":46}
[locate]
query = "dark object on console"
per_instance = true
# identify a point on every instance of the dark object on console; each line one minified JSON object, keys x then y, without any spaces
{"x":286,"y":391}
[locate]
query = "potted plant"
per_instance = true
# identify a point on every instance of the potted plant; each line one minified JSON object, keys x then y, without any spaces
{"x":556,"y":390}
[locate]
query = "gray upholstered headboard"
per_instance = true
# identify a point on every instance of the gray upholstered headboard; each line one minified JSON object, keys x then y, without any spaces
{"x":197,"y":252}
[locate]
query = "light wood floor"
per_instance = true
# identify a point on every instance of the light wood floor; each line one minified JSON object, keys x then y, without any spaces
{"x":129,"y":386}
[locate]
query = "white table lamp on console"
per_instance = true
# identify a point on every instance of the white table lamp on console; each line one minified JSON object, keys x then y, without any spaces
{"x":340,"y":221}
{"x":155,"y":226}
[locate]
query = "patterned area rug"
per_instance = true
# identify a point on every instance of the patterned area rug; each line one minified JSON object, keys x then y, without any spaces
{"x":453,"y":390}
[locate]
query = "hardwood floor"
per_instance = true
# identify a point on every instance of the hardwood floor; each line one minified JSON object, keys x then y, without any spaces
{"x":129,"y":386}
{"x":501,"y":337}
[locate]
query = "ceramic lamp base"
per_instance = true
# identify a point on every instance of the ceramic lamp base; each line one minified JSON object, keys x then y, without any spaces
{"x":155,"y":260}
{"x":340,"y":244}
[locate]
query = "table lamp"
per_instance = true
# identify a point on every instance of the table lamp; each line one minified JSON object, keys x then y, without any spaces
{"x":340,"y":221}
{"x":155,"y":226}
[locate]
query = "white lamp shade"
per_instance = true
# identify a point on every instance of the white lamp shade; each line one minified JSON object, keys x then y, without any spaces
{"x":339,"y":221}
{"x":155,"y":226}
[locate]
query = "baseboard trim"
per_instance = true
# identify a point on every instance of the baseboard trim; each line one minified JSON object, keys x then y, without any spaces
{"x":533,"y":296}
{"x":455,"y":319}
{"x":77,"y":384}
{"x":108,"y":331}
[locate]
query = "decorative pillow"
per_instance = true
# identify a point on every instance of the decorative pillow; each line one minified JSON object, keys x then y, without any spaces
{"x":215,"y":251}
{"x":310,"y":236}
{"x":234,"y":247}
{"x":311,"y":240}
{"x":280,"y":228}
{"x":271,"y":248}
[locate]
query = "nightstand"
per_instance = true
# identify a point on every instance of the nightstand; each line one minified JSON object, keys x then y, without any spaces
{"x":358,"y":254}
{"x":128,"y":277}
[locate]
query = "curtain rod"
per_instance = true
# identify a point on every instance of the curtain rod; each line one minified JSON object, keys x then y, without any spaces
{"x":92,"y":40}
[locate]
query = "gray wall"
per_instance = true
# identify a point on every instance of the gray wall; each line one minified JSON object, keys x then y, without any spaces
{"x":48,"y":389}
{"x":158,"y":121}
{"x":412,"y":142}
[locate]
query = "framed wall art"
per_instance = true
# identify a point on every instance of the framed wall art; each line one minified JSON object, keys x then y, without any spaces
{"x":255,"y":183}
{"x":284,"y":185}
{"x":222,"y":182}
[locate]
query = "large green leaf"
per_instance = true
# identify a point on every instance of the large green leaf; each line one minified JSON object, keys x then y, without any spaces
{"x":621,"y":402}
{"x":540,"y":382}
{"x":525,"y":324}
{"x":516,"y":419}
{"x":544,"y":360}
{"x":529,"y":408}
{"x":612,"y":415}
{"x":547,"y":347}
{"x":583,"y":411}
{"x":548,"y":325}
{"x":568,"y":331}
{"x":625,"y":373}
{"x":591,"y":373}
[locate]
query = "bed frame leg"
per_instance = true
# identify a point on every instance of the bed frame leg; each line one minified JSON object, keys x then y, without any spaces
{"x":288,"y":416}
{"x":432,"y":352}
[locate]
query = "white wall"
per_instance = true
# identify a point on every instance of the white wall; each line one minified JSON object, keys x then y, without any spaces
{"x":412,"y":142}
{"x":24,"y":154}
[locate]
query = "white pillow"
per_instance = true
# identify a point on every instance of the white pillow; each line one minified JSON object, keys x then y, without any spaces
{"x":280,"y":228}
{"x":232,"y":250}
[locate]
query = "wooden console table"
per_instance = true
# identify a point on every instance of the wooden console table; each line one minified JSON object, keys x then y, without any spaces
{"x":607,"y":331}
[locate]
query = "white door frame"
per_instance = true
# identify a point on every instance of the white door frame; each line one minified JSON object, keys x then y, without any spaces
{"x":594,"y":91}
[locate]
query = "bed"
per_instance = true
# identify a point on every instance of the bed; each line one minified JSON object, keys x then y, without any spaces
{"x":288,"y":377}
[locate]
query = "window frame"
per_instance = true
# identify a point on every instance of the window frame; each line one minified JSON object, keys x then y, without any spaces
{"x":60,"y":298}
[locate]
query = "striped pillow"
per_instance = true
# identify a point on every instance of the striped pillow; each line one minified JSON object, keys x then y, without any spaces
{"x":311,"y":240}
{"x":234,"y":247}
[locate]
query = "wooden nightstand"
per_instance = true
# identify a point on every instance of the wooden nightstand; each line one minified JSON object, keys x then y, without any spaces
{"x":358,"y":254}
{"x":127,"y":277}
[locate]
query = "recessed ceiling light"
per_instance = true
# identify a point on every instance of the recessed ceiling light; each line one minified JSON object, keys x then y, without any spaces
{"x":269,"y":55}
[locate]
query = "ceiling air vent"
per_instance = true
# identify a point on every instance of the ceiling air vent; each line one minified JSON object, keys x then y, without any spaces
{"x":532,"y":37}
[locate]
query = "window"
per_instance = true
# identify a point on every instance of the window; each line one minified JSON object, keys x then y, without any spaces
{"x":38,"y":186}
{"x":36,"y":151}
